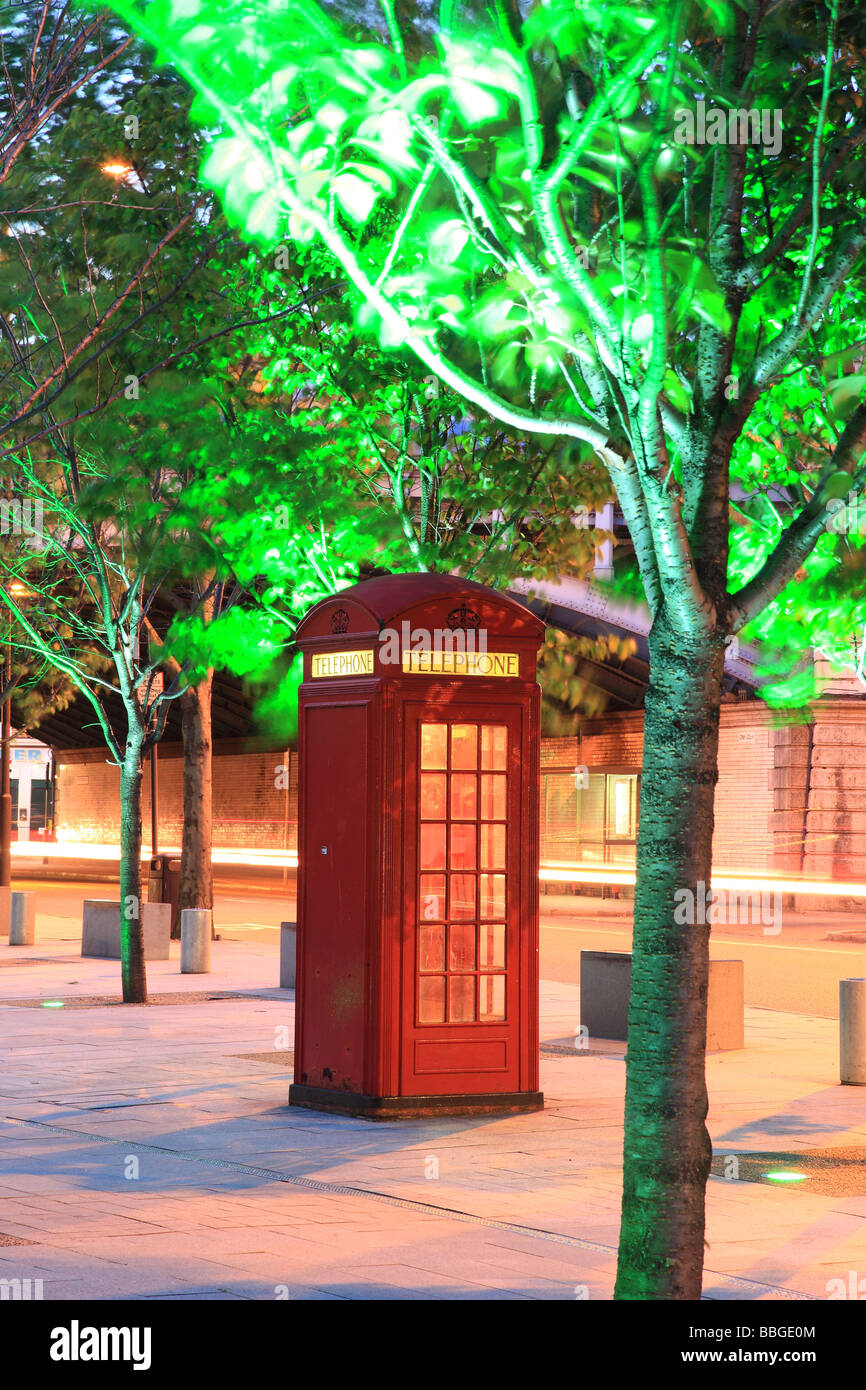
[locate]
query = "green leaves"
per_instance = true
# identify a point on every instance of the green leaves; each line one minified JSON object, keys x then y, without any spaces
{"x":477,"y":104}
{"x":677,"y":393}
{"x":587,"y":32}
{"x":519,"y":213}
{"x":224,"y":158}
{"x":448,"y":240}
{"x":482,"y":79}
{"x":846,"y":393}
{"x":499,"y":313}
{"x":387,"y":134}
{"x":700,"y":296}
{"x":357,"y":196}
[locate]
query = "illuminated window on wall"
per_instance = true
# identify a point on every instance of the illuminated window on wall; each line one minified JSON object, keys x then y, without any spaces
{"x":622,"y":807}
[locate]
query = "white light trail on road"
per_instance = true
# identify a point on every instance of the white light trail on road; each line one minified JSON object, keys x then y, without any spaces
{"x":553,"y":871}
{"x":74,"y":849}
{"x":559,"y":872}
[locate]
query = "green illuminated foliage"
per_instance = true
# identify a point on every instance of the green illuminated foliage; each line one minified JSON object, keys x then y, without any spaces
{"x":485,"y":190}
{"x":532,"y":213}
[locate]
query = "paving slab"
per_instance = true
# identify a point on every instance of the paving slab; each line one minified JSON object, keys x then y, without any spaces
{"x":148,"y":1152}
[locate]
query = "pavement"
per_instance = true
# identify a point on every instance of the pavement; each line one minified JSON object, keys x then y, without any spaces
{"x":149,"y":1153}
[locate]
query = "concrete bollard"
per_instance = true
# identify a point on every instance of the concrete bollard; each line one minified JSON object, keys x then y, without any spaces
{"x":605,"y":982}
{"x":101,"y":929}
{"x":288,"y":954}
{"x":195,"y":935}
{"x":22,"y":919}
{"x":852,"y":1032}
{"x":5,"y":910}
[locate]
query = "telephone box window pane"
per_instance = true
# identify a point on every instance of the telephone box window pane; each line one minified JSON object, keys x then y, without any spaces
{"x":492,"y":1008}
{"x":432,"y":898}
{"x":461,"y":874}
{"x":464,"y":796}
{"x":464,"y":745}
{"x":462,"y":948}
{"x":431,"y":948}
{"x":434,"y":745}
{"x":462,"y":847}
{"x":493,"y":895}
{"x":433,"y":795}
{"x":431,"y":999}
{"x":492,"y":946}
{"x":432,"y":847}
{"x":462,"y":1006}
{"x":492,"y":797}
{"x":493,"y":846}
{"x":463,"y":896}
{"x":494,"y":747}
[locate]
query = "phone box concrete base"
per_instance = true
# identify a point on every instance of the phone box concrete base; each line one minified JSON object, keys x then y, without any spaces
{"x":605,"y":981}
{"x":101,"y":932}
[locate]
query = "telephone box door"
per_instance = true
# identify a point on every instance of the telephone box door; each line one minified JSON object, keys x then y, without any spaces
{"x":461,"y":948}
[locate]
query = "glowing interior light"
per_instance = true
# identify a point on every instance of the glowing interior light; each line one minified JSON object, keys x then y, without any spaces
{"x":786,"y":1177}
{"x":116,"y":170}
{"x":52,"y":1004}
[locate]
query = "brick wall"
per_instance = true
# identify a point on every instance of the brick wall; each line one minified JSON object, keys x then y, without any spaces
{"x":835,"y":844}
{"x":249,"y":808}
{"x":613,"y":742}
{"x":746,"y":827}
{"x":790,"y":799}
{"x":745,"y":830}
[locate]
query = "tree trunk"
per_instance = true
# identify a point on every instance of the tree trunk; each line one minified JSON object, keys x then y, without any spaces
{"x":132,"y":967}
{"x":196,"y":869}
{"x":667,"y":1149}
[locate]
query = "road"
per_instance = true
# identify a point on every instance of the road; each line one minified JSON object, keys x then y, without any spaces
{"x":798,"y":970}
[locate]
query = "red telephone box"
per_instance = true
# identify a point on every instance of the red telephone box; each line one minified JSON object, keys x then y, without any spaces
{"x":417,"y":963}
